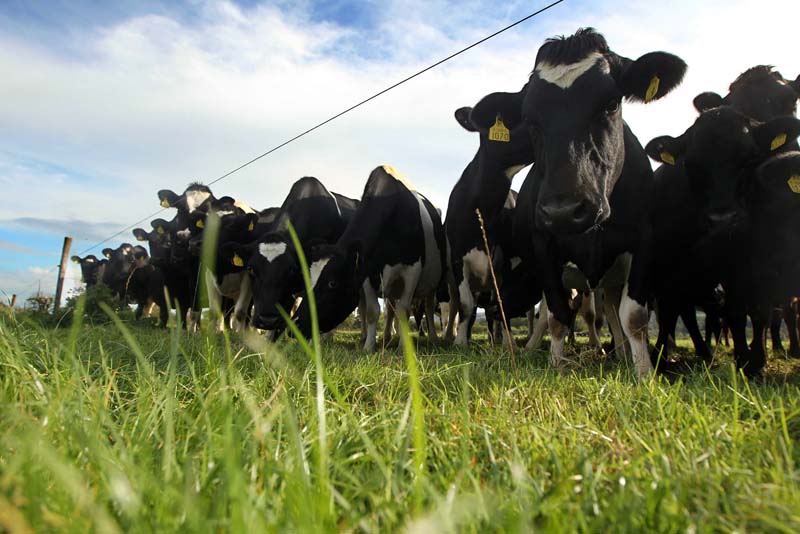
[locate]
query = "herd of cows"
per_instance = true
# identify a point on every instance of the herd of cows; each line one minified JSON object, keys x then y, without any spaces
{"x":715,"y":227}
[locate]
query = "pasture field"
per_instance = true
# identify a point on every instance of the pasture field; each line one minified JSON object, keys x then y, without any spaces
{"x":121,"y":427}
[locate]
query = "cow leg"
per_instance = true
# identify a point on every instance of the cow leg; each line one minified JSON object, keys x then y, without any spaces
{"x":689,"y":318}
{"x":667,"y":317}
{"x":239,"y":320}
{"x":758,"y":354}
{"x":372,"y":312}
{"x":362,"y":314}
{"x":611,"y":303}
{"x":634,"y":318}
{"x":452,"y":309}
{"x":192,"y":320}
{"x":587,"y":311}
{"x":790,"y":317}
{"x":530,"y":318}
{"x":139,"y":311}
{"x":540,"y":328}
{"x":430,"y":317}
{"x":776,"y":321}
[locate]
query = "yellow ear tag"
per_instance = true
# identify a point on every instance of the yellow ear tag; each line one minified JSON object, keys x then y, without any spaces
{"x":165,"y":203}
{"x":499,"y":132}
{"x":200,"y":223}
{"x":778,"y":142}
{"x":794,"y":183}
{"x":238,"y":261}
{"x":666,"y":157}
{"x":251,"y":227}
{"x":140,"y":238}
{"x":160,"y":230}
{"x":652,"y":91}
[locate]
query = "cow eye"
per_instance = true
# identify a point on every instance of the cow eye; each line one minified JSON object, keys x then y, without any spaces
{"x":332,"y":284}
{"x":612,"y":107}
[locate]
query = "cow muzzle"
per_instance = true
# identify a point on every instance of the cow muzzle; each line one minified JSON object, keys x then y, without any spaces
{"x":569,"y":216}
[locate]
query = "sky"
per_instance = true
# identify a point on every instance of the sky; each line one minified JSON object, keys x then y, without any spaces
{"x":104,"y":103}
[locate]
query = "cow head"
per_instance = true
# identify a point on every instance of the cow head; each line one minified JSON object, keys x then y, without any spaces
{"x":573,"y":108}
{"x":719,"y":154}
{"x":336,"y":277}
{"x":120,"y":263}
{"x":159,"y":243}
{"x":196,"y":197}
{"x":760,"y":92}
{"x":91,"y":268}
{"x":503,"y":134}
{"x":273,"y":268}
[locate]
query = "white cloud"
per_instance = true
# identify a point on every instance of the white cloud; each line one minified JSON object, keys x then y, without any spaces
{"x":154,"y":103}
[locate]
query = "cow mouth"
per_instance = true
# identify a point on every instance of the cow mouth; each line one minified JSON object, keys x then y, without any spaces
{"x":267,"y":322}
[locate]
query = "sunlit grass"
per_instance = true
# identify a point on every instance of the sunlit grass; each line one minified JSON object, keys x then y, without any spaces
{"x":125,"y":428}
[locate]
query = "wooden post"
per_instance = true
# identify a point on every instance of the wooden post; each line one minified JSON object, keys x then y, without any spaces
{"x":62,"y":268}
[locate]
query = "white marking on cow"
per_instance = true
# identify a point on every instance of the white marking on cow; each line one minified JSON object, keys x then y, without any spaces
{"x":432,"y":268}
{"x":223,"y":213}
{"x":244,"y":207}
{"x":634,"y":318}
{"x":513,"y":170}
{"x":565,"y":75}
{"x":515,"y":262}
{"x":336,"y":203}
{"x":316,"y":270}
{"x":184,"y":234}
{"x":372,"y":310}
{"x":194,"y":199}
{"x":271,"y":250}
{"x":399,"y":176}
{"x":476,"y":267}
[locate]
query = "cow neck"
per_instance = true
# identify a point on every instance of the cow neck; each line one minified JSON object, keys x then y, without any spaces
{"x":374,"y":214}
{"x":491,"y":183}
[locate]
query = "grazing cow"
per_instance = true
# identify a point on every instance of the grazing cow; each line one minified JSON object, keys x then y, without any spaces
{"x":719,"y":154}
{"x":504,"y":149}
{"x":318,"y":216}
{"x":92,"y":269}
{"x":394,"y":244}
{"x":591,"y":178}
{"x":760,"y":93}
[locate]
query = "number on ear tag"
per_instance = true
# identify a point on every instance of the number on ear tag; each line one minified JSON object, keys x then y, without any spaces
{"x":668,"y":158}
{"x":499,"y":132}
{"x":652,"y":90}
{"x":794,"y":183}
{"x":238,"y":261}
{"x":778,"y":142}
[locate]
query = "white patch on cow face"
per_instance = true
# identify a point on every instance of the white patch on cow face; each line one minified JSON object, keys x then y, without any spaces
{"x":512,"y":171}
{"x":316,"y":270}
{"x":244,"y":207}
{"x":195,"y":198}
{"x":184,"y":234}
{"x":565,"y":75}
{"x":224,"y":213}
{"x":271,"y":250}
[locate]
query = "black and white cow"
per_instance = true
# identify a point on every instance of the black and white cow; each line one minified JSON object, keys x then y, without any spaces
{"x":146,"y":286}
{"x":318,"y":216}
{"x":504,"y":149}
{"x":591,"y":178}
{"x":394,"y":246}
{"x":92,"y":269}
{"x":118,"y":269}
{"x":719,"y":155}
{"x":677,"y":214}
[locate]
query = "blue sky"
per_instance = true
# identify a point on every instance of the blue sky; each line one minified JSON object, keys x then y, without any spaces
{"x":104,"y":103}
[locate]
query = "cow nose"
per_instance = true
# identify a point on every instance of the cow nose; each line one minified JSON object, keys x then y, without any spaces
{"x":567,"y":216}
{"x":265,"y":322}
{"x":721,"y":218}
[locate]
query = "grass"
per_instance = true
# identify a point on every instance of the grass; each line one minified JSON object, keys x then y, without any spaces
{"x":121,"y":427}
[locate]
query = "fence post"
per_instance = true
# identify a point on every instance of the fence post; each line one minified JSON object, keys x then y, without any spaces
{"x":62,"y":268}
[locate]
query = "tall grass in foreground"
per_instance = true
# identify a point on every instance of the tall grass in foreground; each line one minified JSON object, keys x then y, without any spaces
{"x":123,"y":428}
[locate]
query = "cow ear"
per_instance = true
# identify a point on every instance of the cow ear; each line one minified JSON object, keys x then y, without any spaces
{"x":507,"y":106}
{"x":650,"y":77}
{"x":107,"y":252}
{"x":168,"y":198}
{"x":796,"y":86}
{"x":160,"y":226}
{"x":666,"y":149}
{"x":782,"y":170}
{"x":706,"y":101}
{"x":462,"y":116}
{"x":776,"y":134}
{"x":75,"y":259}
{"x":237,"y":254}
{"x":140,"y":234}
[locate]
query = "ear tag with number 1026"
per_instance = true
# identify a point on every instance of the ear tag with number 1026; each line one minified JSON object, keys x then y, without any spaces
{"x":499,"y":132}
